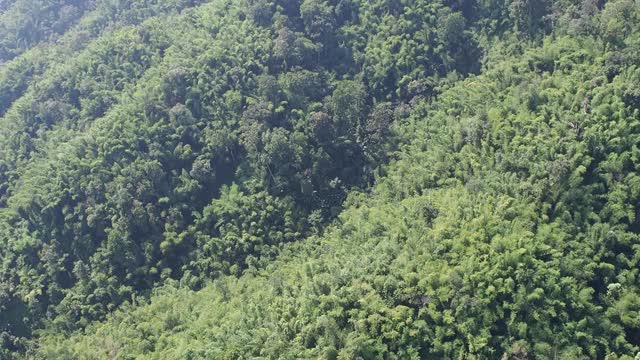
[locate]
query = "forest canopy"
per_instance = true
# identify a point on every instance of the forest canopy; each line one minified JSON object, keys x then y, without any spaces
{"x":336,"y":179}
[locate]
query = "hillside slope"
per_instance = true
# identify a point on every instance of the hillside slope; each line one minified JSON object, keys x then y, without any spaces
{"x":321,"y":179}
{"x":506,"y":227}
{"x":144,"y":141}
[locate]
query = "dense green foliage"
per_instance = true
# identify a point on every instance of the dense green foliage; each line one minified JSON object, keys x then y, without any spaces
{"x":319,"y":179}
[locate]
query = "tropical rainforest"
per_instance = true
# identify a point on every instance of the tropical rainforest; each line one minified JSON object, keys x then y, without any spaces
{"x":319,"y":179}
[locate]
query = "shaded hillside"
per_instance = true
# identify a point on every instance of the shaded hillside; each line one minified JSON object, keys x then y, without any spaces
{"x":334,"y":179}
{"x":505,"y":228}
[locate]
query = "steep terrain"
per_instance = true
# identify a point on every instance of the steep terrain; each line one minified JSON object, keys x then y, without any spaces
{"x":321,"y":179}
